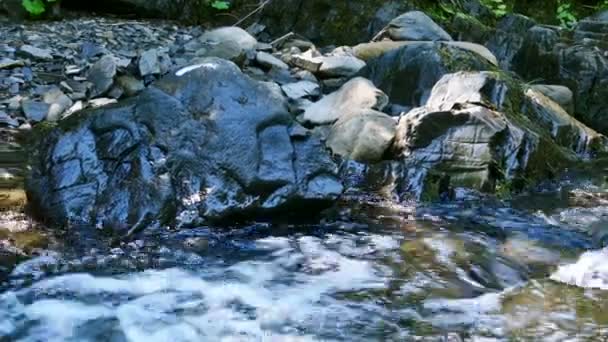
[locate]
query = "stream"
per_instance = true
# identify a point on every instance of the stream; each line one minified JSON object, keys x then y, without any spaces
{"x":475,"y":269}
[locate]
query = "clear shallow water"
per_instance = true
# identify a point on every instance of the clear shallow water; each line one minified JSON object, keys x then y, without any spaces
{"x":480,"y":270}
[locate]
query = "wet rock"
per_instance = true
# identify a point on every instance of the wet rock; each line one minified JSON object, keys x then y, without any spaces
{"x":126,"y":165}
{"x":269,"y":61}
{"x":472,"y":134}
{"x":414,"y":26}
{"x":356,"y":95}
{"x":101,"y":75}
{"x":35,"y":111}
{"x":407,"y":74}
{"x":32,"y":52}
{"x":363,"y":136}
{"x":509,"y":38}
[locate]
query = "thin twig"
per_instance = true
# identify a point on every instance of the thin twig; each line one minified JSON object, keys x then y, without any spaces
{"x":259,"y":8}
{"x":281,"y":39}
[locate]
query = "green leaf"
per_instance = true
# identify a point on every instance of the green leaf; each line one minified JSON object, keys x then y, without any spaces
{"x":34,"y":7}
{"x":220,"y":5}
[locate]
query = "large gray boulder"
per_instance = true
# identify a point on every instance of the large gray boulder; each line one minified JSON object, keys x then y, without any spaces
{"x":480,"y":129}
{"x":204,"y":143}
{"x":408,"y":73}
{"x":414,"y":26}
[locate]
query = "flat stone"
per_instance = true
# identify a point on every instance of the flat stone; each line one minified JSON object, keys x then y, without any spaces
{"x":101,"y":75}
{"x":7,"y":63}
{"x":35,"y":110}
{"x":301,"y":89}
{"x":148,"y":63}
{"x":269,"y":61}
{"x":28,"y":51}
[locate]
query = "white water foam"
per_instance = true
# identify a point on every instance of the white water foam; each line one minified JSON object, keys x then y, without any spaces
{"x":289,"y":295}
{"x":590,"y":271}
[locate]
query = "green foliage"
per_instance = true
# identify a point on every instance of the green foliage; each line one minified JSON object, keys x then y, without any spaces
{"x":498,"y":7}
{"x":220,"y":5}
{"x":36,"y":7}
{"x":565,"y":14}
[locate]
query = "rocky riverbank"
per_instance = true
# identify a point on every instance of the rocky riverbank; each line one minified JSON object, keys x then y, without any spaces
{"x":137,"y":124}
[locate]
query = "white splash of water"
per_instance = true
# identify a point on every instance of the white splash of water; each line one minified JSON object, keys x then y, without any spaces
{"x":590,"y":271}
{"x":287,"y":295}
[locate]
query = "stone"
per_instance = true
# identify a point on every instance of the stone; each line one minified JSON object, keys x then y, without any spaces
{"x":339,"y":66}
{"x":356,"y":95}
{"x":363,"y":136}
{"x":269,"y":61}
{"x":203,"y":144}
{"x":131,"y":85}
{"x":558,"y":93}
{"x":369,"y":51}
{"x":301,"y":89}
{"x":101,"y":75}
{"x":58,"y":101}
{"x":478,"y":129}
{"x":407,"y":74}
{"x":148,"y":63}
{"x":414,"y":26}
{"x":6,"y":120}
{"x":35,"y":111}
{"x":7,"y":63}
{"x":509,"y":38}
{"x":32,"y":52}
{"x":231,"y":43}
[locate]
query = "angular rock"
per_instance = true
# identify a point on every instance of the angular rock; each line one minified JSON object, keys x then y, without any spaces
{"x":28,"y":51}
{"x":35,"y":111}
{"x":148,"y":63}
{"x":340,"y":66}
{"x":101,"y":75}
{"x":301,"y":89}
{"x":477,"y":130}
{"x":414,"y":26}
{"x":204,"y":143}
{"x":354,"y":96}
{"x":363,"y":136}
{"x":509,"y":38}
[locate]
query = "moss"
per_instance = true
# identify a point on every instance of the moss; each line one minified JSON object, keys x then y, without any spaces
{"x":26,"y":241}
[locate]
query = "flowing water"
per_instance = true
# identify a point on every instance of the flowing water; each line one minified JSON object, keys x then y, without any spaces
{"x":475,"y":269}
